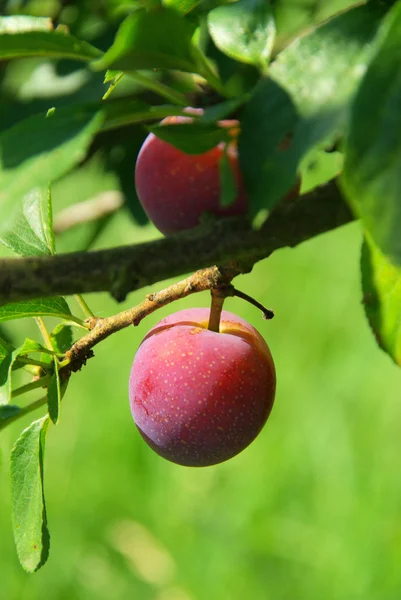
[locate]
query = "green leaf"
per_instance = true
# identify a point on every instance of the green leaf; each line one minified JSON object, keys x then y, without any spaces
{"x":28,"y":347}
{"x":112,"y":77}
{"x":41,"y":307}
{"x":244,"y":31}
{"x":266,"y":120}
{"x":305,"y":104}
{"x":54,"y":394}
{"x":323,"y":69}
{"x":5,"y":348}
{"x":130,"y":111}
{"x":28,"y":502}
{"x":372,"y":172}
{"x":40,"y":150}
{"x":7,"y":411}
{"x":7,"y":364}
{"x":227,"y":181}
{"x":30,"y":36}
{"x":5,"y":378}
{"x":381,"y":284}
{"x":61,"y":338}
{"x":30,"y":232}
{"x":319,"y":167}
{"x":191,"y":138}
{"x":221,"y":111}
{"x":151,"y":40}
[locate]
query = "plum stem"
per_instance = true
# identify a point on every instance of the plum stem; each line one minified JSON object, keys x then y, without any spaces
{"x":218,"y":297}
{"x":267,"y":313}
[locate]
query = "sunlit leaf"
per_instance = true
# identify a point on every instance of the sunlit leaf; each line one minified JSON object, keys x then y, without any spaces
{"x":28,"y":502}
{"x":41,"y":307}
{"x":244,"y":30}
{"x":372,"y":172}
{"x":381,"y":283}
{"x":306,"y":103}
{"x":29,"y":232}
{"x":148,"y":40}
{"x":24,"y":36}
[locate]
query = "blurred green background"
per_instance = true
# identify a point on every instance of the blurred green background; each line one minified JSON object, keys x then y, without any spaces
{"x":310,"y":511}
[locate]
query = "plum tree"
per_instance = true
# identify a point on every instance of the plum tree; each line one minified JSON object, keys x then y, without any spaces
{"x":199,"y":397}
{"x":176,"y":188}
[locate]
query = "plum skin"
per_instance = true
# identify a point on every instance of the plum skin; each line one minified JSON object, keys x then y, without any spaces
{"x":175,"y":188}
{"x":199,"y":397}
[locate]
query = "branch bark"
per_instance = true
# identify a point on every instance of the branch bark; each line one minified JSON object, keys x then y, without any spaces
{"x":101,"y":328}
{"x":127,"y":268}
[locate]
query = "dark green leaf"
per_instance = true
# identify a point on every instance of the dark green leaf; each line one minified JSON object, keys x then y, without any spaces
{"x":372,"y":172}
{"x":29,"y":232}
{"x":192,"y":138}
{"x":244,"y":30}
{"x":318,"y":76}
{"x":25,"y":36}
{"x":381,"y":283}
{"x":266,"y":121}
{"x":53,"y":394}
{"x":39,"y":150}
{"x":130,"y":111}
{"x":5,"y":378}
{"x":151,"y":40}
{"x":28,"y":347}
{"x":221,"y":111}
{"x":227,"y":181}
{"x":7,"y":411}
{"x":41,"y":307}
{"x":28,"y":502}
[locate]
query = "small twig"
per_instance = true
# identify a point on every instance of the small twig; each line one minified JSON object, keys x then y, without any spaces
{"x":93,"y":209}
{"x":45,"y":334}
{"x":83,"y":304}
{"x":205,"y":279}
{"x":33,"y":385}
{"x":267,"y":312}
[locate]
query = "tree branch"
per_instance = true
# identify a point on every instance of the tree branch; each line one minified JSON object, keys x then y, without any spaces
{"x":126,"y":268}
{"x":101,"y":328}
